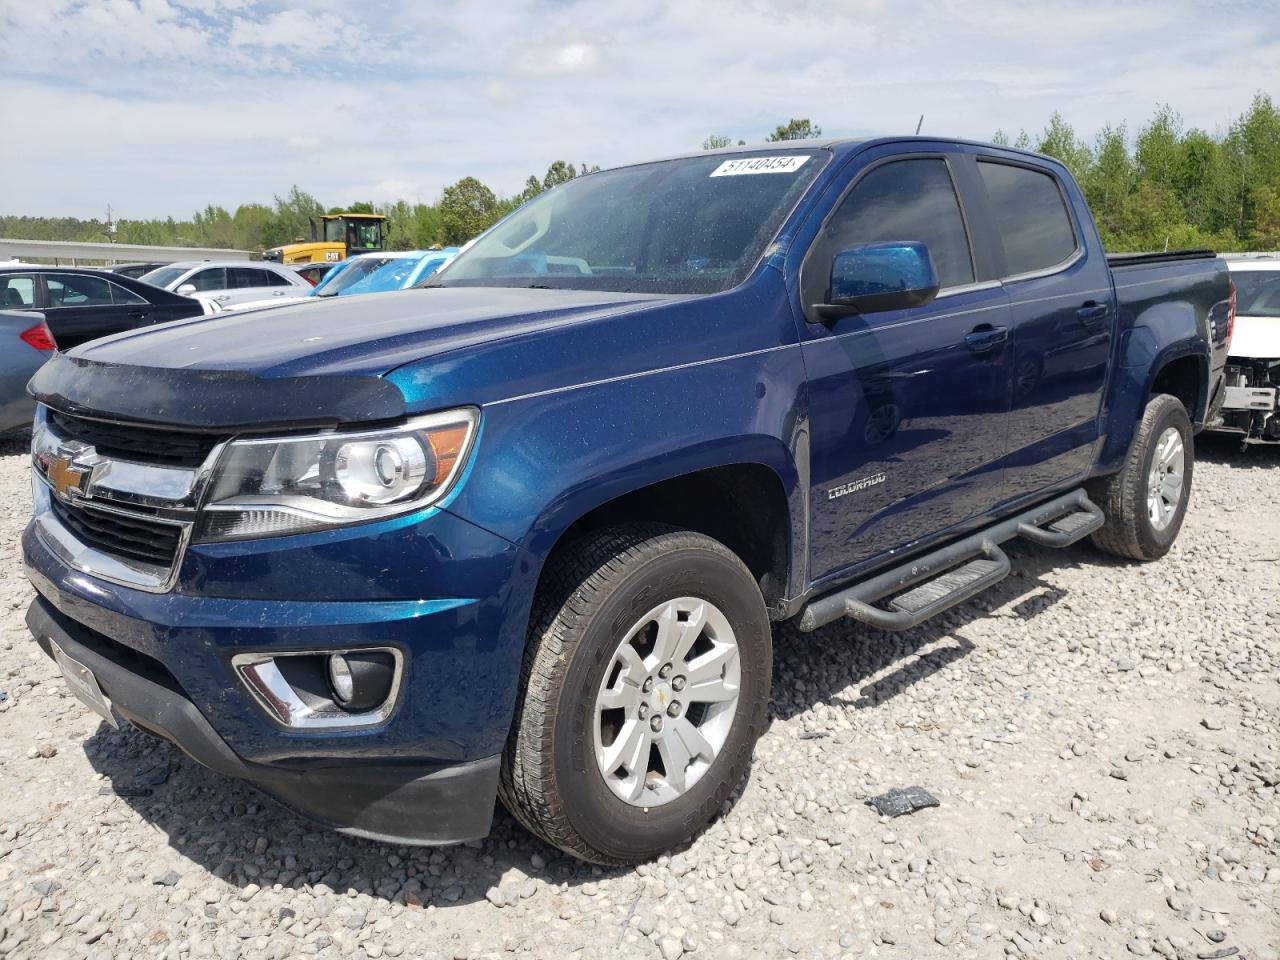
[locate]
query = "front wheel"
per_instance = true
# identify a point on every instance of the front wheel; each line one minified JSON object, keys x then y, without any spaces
{"x":645,"y":688}
{"x":1145,"y":502}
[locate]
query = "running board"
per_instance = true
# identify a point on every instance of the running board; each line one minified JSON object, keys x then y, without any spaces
{"x":907,"y":595}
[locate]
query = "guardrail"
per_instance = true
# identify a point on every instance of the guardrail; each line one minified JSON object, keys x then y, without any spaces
{"x":111,"y":252}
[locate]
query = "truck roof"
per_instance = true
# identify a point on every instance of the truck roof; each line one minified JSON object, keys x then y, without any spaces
{"x":841,"y":145}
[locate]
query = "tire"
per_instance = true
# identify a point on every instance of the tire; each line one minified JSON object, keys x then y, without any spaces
{"x":1130,"y":530}
{"x":590,"y":598}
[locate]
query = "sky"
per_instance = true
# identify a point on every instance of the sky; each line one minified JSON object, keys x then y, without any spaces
{"x":161,"y":107}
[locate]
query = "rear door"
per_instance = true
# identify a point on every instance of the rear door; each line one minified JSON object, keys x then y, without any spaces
{"x":908,"y":408}
{"x":82,"y":307}
{"x":1059,"y":288}
{"x":254,"y":283}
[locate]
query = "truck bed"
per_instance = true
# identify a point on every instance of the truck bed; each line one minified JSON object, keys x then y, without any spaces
{"x":1151,"y":288}
{"x":1118,"y":261}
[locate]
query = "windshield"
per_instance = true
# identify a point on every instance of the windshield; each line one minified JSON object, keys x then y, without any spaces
{"x":163,"y":276}
{"x":1257,"y":293}
{"x":697,"y":225}
{"x":348,"y":274}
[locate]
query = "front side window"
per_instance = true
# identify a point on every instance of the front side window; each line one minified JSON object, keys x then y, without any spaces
{"x":1257,"y":293}
{"x":901,"y":200}
{"x":213,"y":278}
{"x":1031,"y":215}
{"x":17,"y":290}
{"x":695,"y":225}
{"x":75,"y":290}
{"x":368,"y":235}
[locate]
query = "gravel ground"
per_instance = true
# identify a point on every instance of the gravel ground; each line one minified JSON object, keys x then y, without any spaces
{"x":1102,"y":738}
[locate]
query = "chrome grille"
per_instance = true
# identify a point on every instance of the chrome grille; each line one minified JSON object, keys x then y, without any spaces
{"x":162,"y":446}
{"x":126,"y":536}
{"x":118,"y":501}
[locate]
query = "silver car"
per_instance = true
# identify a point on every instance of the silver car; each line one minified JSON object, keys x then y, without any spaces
{"x":230,"y":282}
{"x":25,"y":344}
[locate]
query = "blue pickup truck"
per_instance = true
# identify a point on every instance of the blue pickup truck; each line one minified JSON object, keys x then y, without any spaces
{"x":522,"y":532}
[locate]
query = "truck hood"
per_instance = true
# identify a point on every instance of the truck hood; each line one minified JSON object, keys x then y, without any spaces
{"x":312,"y":364}
{"x":366,"y":335}
{"x":1257,"y":338}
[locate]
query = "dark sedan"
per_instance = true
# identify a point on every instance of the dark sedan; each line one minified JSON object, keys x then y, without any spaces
{"x":136,"y":270}
{"x":81,"y":304}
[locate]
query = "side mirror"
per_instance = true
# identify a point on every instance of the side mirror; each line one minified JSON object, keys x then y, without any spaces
{"x":880,"y":276}
{"x":187,"y":290}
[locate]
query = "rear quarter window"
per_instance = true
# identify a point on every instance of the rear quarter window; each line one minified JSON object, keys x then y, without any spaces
{"x":1031,"y":216}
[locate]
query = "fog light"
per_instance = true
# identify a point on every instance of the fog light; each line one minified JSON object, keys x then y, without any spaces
{"x":313,"y":689}
{"x":344,"y":685}
{"x":361,"y":679}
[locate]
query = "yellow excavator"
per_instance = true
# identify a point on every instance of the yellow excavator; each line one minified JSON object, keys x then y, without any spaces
{"x":334,"y":236}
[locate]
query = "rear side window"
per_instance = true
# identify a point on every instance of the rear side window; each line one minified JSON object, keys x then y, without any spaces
{"x":1031,"y":215}
{"x":74,"y":290}
{"x":273,"y":279}
{"x":901,"y":200}
{"x":17,"y":290}
{"x":241,"y":278}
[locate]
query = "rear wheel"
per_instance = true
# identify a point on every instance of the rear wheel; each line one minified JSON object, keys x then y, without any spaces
{"x":645,"y":688}
{"x":1145,"y":502}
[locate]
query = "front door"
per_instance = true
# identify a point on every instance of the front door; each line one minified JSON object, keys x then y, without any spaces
{"x":908,"y":408}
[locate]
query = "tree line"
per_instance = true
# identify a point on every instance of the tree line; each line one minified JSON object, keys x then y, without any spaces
{"x":1170,"y":186}
{"x":1176,"y":186}
{"x":464,"y":209}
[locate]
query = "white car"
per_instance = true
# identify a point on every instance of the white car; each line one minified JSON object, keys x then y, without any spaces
{"x":1253,"y":367}
{"x":229,"y":283}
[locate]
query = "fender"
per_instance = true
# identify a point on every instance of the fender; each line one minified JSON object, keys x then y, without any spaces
{"x":1167,"y":332}
{"x":543,"y":463}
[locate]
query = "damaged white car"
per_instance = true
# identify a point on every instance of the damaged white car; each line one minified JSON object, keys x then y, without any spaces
{"x":1253,"y":369}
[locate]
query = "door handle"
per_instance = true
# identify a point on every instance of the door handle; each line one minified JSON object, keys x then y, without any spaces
{"x":277,"y":293}
{"x":224,"y":298}
{"x":1092,"y":314}
{"x":137,"y":314}
{"x":984,"y":338}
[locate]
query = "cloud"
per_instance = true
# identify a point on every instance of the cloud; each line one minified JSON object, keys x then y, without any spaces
{"x":164,"y":106}
{"x":297,"y":30}
{"x":574,"y":57}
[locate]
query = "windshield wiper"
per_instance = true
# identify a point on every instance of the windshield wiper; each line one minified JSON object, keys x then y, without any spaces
{"x":539,"y":286}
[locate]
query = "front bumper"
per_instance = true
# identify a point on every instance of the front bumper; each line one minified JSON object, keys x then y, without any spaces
{"x":428,"y":774}
{"x":413,"y":803}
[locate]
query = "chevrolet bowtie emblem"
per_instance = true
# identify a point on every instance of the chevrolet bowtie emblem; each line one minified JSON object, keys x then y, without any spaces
{"x":70,"y":473}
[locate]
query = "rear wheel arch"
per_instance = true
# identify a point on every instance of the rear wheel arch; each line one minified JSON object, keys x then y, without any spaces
{"x":1184,"y":377}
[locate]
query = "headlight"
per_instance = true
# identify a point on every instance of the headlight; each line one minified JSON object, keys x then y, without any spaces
{"x":268,"y":487}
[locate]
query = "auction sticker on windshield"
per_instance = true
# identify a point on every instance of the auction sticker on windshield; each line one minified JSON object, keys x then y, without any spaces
{"x":748,"y":165}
